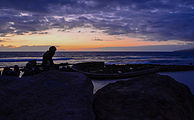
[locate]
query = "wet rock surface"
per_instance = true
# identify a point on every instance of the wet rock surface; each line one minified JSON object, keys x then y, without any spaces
{"x":152,"y":97}
{"x":51,"y":95}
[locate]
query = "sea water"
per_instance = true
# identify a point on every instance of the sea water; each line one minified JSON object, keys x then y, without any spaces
{"x":167,"y":58}
{"x":163,"y":58}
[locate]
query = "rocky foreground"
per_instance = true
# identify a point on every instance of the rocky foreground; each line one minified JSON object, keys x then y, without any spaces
{"x":57,"y":95}
{"x":51,"y":95}
{"x":152,"y":97}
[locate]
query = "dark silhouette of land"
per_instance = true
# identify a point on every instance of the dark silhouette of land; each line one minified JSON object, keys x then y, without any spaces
{"x":186,"y":50}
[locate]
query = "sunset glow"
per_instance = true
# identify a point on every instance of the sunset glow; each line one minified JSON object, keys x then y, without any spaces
{"x":93,"y":25}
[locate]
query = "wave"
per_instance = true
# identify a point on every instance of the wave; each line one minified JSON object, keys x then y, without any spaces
{"x":29,"y":59}
{"x":145,"y":62}
{"x":117,"y":63}
{"x":164,"y":61}
{"x":138,"y":57}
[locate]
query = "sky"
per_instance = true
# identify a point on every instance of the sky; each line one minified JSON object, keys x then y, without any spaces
{"x":96,"y":25}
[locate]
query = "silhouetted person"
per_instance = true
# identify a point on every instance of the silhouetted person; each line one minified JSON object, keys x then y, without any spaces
{"x":6,"y":71}
{"x":31,"y":68}
{"x":31,"y":64}
{"x":16,"y":70}
{"x":47,"y":57}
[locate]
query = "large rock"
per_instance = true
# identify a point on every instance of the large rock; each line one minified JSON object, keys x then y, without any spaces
{"x":152,"y":97}
{"x":51,"y":95}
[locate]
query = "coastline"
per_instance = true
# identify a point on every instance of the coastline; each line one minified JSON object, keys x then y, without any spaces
{"x":184,"y":77}
{"x":181,"y":73}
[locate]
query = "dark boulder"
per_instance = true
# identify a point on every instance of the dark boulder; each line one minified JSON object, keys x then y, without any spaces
{"x":152,"y":97}
{"x":51,"y":95}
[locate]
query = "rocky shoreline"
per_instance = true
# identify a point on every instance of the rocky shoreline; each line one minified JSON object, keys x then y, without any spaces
{"x":60,"y":95}
{"x":151,"y":97}
{"x":51,"y":95}
{"x":100,"y":71}
{"x":96,"y":70}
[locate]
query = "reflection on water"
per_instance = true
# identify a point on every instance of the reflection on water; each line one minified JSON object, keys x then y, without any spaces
{"x":185,"y":77}
{"x":98,"y":84}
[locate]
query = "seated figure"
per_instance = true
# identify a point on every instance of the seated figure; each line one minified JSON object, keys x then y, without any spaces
{"x":47,"y":57}
{"x":7,"y":71}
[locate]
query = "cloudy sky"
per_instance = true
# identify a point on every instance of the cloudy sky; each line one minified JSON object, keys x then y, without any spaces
{"x":136,"y":25}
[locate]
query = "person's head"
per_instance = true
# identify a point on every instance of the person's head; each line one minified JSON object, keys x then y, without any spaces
{"x":52,"y":49}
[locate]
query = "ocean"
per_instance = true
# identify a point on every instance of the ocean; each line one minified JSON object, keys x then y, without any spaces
{"x":164,"y":58}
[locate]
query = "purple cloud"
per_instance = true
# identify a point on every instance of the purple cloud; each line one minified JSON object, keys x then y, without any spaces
{"x":146,"y":19}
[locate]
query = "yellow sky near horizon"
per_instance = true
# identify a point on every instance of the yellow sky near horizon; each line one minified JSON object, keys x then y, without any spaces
{"x":76,"y":39}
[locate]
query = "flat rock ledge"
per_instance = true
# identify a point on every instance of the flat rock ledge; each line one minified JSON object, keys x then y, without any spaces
{"x":151,"y":97}
{"x":51,"y":95}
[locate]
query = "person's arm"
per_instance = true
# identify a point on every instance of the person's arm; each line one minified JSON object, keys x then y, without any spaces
{"x":51,"y":61}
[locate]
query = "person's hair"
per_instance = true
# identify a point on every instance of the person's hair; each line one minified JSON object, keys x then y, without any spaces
{"x":52,"y":48}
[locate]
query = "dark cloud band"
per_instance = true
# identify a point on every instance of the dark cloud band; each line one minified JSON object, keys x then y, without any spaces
{"x":153,"y":20}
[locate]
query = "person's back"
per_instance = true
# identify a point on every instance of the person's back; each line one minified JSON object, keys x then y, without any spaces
{"x":47,"y":57}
